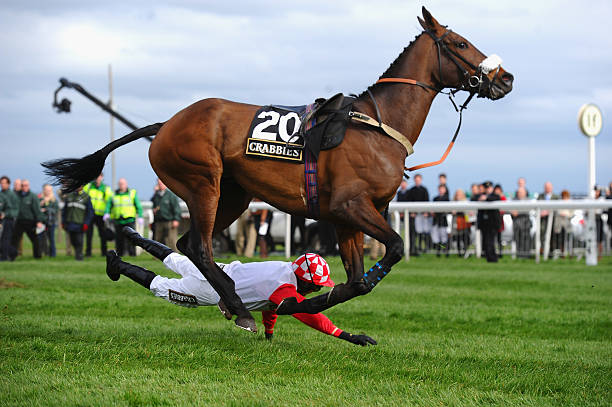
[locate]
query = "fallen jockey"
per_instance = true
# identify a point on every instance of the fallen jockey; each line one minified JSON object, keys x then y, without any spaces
{"x":262,"y":286}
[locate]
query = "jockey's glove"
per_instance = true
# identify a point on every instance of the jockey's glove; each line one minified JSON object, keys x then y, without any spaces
{"x":363,"y":340}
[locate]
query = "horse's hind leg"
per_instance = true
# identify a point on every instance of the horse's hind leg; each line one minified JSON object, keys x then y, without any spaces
{"x":202,"y":196}
{"x":200,"y":252}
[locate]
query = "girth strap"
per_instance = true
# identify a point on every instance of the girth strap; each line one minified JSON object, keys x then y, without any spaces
{"x":388,"y":130}
{"x":313,"y":209}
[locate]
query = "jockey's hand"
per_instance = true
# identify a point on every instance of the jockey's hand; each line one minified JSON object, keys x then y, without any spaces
{"x":269,"y":336}
{"x":362,"y":340}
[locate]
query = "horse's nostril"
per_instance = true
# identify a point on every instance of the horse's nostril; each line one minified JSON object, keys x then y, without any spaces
{"x":507,"y":78}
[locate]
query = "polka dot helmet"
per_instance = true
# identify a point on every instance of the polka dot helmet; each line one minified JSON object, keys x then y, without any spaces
{"x":312,"y":268}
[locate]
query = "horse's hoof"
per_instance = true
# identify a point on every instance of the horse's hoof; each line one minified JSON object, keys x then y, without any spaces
{"x":246,"y":323}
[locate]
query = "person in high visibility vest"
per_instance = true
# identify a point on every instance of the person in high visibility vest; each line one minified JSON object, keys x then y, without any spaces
{"x":124,"y":209}
{"x":100,"y":194}
{"x":76,"y":216}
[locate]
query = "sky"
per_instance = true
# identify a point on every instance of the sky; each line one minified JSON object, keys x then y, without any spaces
{"x":168,"y":55}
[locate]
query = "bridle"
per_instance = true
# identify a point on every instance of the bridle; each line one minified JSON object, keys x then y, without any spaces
{"x":470,"y":83}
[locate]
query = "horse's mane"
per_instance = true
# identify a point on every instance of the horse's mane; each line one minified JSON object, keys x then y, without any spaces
{"x":389,"y":71}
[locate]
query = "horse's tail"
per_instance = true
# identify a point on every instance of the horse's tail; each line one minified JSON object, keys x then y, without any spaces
{"x":71,"y":173}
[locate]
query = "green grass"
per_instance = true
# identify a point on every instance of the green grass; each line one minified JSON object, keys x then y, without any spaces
{"x":450,"y":331}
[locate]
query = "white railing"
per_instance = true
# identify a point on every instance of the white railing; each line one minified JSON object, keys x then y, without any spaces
{"x":396,"y":208}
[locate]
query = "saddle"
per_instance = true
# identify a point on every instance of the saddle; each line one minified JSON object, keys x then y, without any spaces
{"x":324,"y":126}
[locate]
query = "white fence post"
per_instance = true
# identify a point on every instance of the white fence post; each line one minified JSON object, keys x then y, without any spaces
{"x":288,"y":236}
{"x":547,"y":236}
{"x":406,"y":234}
{"x":538,"y":234}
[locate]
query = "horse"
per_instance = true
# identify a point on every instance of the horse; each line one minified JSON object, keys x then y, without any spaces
{"x":199,"y":155}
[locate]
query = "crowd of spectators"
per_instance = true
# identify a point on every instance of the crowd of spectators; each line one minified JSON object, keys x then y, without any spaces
{"x":431,"y":231}
{"x":96,"y":205}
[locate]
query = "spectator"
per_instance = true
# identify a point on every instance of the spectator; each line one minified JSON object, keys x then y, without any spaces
{"x":262,"y":220}
{"x":403,"y":192}
{"x":561,"y":226}
{"x":246,"y":235}
{"x":500,"y":192}
{"x":124,"y":208}
{"x":76,"y":218}
{"x":439,"y":236}
{"x":17,"y":190}
{"x":547,"y":195}
{"x":166,"y":215}
{"x":62,"y":197}
{"x":442,"y":181}
{"x":521,"y":183}
{"x":474,"y":192}
{"x":419,"y":223}
{"x":599,"y":222}
{"x":30,"y":218}
{"x":461,"y":225}
{"x":99,"y":194}
{"x":9,"y":217}
{"x":521,"y":224}
{"x":50,"y":209}
{"x":489,"y":222}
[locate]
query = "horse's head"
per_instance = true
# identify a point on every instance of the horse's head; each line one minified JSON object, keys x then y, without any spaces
{"x":462,"y":66}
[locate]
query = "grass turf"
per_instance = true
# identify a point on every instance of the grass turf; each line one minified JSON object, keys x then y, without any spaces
{"x":450,"y":332}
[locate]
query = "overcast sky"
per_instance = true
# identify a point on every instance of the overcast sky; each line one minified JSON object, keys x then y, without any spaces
{"x":167,"y":55}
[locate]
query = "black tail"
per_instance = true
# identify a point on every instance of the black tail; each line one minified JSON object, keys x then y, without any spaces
{"x":71,"y":173}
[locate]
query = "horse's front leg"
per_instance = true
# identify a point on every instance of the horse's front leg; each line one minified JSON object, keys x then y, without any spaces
{"x":362,"y":215}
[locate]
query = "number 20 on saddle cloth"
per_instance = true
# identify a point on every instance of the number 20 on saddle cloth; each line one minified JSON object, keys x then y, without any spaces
{"x":297,"y":134}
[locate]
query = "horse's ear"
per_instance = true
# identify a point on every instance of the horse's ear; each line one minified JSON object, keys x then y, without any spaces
{"x":428,"y":22}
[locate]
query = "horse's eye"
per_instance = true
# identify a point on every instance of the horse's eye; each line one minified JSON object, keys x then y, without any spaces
{"x":462,"y":45}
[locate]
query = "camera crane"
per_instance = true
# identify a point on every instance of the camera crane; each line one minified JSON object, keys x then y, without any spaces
{"x":64,"y":105}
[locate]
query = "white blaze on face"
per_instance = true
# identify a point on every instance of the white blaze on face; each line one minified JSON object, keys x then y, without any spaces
{"x":490,"y":63}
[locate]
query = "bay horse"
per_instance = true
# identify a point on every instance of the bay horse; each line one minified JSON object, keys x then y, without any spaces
{"x":199,"y":155}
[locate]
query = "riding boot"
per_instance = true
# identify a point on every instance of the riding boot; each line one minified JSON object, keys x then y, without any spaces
{"x":115,"y":267}
{"x":155,"y":248}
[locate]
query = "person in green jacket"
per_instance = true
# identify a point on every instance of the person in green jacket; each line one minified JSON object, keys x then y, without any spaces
{"x":76,"y":217}
{"x":124,"y":209}
{"x":166,"y":215}
{"x":100,"y":194}
{"x":29,"y":218}
{"x":50,"y":208}
{"x":10,"y":212}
